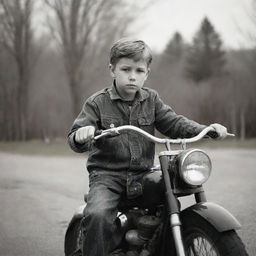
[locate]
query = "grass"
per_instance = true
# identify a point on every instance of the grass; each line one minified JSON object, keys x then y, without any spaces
{"x":59,"y":147}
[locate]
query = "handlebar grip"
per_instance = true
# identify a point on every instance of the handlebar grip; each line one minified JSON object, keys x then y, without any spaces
{"x":98,"y":132}
{"x":213,"y":134}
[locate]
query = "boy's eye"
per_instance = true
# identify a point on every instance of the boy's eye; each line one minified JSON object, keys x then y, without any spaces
{"x":125,"y":69}
{"x":140,"y":70}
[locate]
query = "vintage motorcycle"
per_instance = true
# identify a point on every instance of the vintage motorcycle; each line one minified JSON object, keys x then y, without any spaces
{"x":155,"y":223}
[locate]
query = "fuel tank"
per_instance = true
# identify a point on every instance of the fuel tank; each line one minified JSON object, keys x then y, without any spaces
{"x":153,"y":192}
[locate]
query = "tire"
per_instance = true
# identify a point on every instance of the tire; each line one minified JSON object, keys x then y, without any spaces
{"x":202,"y":239}
{"x":73,"y":239}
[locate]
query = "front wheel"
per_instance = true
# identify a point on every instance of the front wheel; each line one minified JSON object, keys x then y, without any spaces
{"x":202,"y":239}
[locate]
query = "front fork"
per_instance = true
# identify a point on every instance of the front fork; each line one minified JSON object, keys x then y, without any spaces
{"x":173,"y":207}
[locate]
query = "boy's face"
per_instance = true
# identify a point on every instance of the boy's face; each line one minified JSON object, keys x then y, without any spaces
{"x":130,"y":76}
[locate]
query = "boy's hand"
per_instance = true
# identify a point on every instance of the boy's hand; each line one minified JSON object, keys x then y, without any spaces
{"x":220,"y":130}
{"x":84,"y":134}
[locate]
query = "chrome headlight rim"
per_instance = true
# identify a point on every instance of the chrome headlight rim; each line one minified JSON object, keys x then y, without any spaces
{"x":183,"y":157}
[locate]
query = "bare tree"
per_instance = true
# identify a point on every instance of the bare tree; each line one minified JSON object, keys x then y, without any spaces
{"x":83,"y":28}
{"x":72,"y":26}
{"x":112,"y":25}
{"x":17,"y":38}
{"x":7,"y":97}
{"x":247,"y":58}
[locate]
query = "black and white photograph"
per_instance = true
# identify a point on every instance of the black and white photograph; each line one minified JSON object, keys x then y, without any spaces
{"x":127,"y":128}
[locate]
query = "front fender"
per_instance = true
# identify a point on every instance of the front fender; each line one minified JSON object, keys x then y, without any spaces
{"x":217,"y":216}
{"x":78,"y":214}
{"x":73,"y":232}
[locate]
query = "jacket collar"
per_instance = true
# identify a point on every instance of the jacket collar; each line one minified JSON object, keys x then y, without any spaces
{"x":140,"y":95}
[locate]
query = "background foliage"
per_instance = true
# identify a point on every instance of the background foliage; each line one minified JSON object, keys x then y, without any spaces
{"x":45,"y":76}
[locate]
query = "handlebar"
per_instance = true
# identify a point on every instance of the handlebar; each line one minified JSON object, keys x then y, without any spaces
{"x":116,"y":131}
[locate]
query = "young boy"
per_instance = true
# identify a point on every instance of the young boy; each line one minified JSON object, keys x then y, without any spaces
{"x":117,"y":164}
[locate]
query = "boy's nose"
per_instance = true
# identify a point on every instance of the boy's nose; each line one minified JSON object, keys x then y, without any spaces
{"x":132,"y":76}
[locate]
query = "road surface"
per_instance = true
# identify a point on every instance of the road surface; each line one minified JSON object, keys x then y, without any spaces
{"x":38,"y":195}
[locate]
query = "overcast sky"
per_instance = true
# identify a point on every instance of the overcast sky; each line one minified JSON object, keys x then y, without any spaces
{"x":229,"y":17}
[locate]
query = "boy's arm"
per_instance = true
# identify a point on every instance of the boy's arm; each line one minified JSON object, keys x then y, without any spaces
{"x":173,"y":125}
{"x":88,"y":116}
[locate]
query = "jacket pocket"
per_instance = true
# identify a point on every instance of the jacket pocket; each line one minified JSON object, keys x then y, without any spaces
{"x":146,"y":123}
{"x":146,"y":120}
{"x":109,"y":122}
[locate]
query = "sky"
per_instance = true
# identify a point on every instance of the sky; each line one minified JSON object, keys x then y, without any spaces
{"x":157,"y":24}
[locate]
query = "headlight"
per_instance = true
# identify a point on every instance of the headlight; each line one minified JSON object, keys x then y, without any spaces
{"x":195,"y":167}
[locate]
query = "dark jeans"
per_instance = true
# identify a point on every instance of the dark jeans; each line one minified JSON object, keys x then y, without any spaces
{"x":107,"y":188}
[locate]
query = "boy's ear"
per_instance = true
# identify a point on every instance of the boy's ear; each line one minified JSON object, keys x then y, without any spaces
{"x":112,"y":69}
{"x":148,"y":71}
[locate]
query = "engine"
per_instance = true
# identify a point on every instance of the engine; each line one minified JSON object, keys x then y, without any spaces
{"x":141,"y":230}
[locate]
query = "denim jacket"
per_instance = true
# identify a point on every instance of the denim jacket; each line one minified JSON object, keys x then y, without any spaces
{"x":129,"y":150}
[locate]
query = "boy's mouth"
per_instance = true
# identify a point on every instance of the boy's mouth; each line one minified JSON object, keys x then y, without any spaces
{"x":131,"y":85}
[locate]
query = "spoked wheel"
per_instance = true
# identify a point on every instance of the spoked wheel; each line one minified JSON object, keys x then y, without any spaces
{"x":198,"y":244}
{"x":202,"y":239}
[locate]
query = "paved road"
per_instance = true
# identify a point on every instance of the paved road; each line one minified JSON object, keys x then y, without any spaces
{"x":39,"y":194}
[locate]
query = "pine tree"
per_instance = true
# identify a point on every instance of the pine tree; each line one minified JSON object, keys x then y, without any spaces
{"x":206,"y":57}
{"x":174,"y":49}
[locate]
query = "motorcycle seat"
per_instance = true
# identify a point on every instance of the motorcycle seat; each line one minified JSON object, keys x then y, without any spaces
{"x":153,"y":193}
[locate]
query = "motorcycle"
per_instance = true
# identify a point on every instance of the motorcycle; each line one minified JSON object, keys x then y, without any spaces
{"x":155,"y":223}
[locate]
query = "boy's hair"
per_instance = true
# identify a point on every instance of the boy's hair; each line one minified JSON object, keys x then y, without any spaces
{"x":130,"y":48}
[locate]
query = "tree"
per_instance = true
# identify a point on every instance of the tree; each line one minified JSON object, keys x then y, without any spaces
{"x":83,"y":28}
{"x":175,"y":48}
{"x":7,"y":99}
{"x":16,"y":38}
{"x":72,"y":26}
{"x":245,"y":83}
{"x":167,"y":75}
{"x":206,"y":57}
{"x":78,"y":26}
{"x":112,"y":25}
